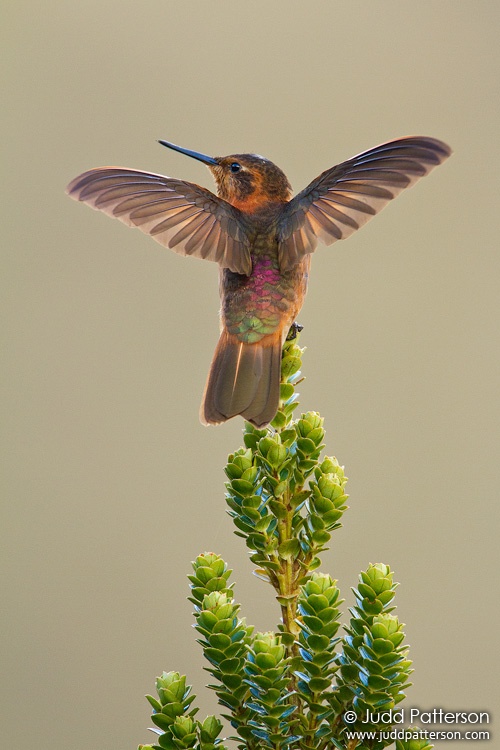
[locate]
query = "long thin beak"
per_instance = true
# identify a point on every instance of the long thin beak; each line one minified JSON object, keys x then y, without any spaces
{"x":194,"y":154}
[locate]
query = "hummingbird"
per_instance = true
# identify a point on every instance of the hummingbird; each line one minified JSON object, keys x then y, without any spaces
{"x":262,"y":239}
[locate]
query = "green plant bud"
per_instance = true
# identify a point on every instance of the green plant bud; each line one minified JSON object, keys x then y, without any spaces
{"x":214,"y":562}
{"x":203,"y":574}
{"x":388,"y":627}
{"x":320,"y":583}
{"x":172,"y":684}
{"x":266,"y":673}
{"x":171,"y":710}
{"x":265,"y":642}
{"x":374,"y":667}
{"x":238,"y":462}
{"x":276,"y":455}
{"x":225,"y":643}
{"x":309,"y":422}
{"x":252,"y":435}
{"x":368,"y":602}
{"x":183,"y":727}
{"x":218,"y":604}
{"x":265,"y":445}
{"x":265,"y":661}
{"x":316,"y":663}
{"x":210,"y":729}
{"x":329,"y":487}
{"x":379,"y":577}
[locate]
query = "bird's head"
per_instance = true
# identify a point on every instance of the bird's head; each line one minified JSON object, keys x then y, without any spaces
{"x":247,"y":181}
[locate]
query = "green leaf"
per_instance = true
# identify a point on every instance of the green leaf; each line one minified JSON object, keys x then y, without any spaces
{"x":289,"y":550}
{"x":321,"y":537}
{"x":286,"y":391}
{"x":166,"y":742}
{"x":306,"y":446}
{"x":314,"y":624}
{"x":299,"y":497}
{"x":279,"y":420}
{"x":265,"y":661}
{"x":231,"y":681}
{"x":316,"y":435}
{"x":156,"y":704}
{"x":276,"y":455}
{"x":242,"y":487}
{"x":319,"y":684}
{"x":162,"y":721}
{"x":289,"y":366}
{"x":233,"y":471}
{"x":280,"y":488}
{"x":210,"y":729}
{"x":386,"y":596}
{"x":250,"y":474}
{"x":318,"y":602}
{"x":288,"y":436}
{"x":278,"y":509}
{"x":318,"y":643}
{"x":220,"y":642}
{"x":287,"y":638}
{"x":382,"y":646}
{"x":231,"y":666}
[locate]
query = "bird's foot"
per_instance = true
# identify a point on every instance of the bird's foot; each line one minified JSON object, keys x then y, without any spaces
{"x":295,"y":328}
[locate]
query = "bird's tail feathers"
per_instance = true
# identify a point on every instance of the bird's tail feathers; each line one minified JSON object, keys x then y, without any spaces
{"x":243,"y":379}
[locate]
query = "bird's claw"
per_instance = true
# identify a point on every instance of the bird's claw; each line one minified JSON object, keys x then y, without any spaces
{"x":295,"y":329}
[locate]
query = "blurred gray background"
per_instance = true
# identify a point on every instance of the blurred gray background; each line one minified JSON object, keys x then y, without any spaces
{"x":111,"y":485}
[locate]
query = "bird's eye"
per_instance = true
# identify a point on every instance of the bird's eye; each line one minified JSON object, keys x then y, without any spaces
{"x":235,"y":167}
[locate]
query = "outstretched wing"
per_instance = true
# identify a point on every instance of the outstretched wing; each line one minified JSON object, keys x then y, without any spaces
{"x":180,"y":215}
{"x":345,"y":197}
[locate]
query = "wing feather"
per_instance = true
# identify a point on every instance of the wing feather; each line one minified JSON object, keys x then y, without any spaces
{"x":180,"y":215}
{"x":345,"y":197}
